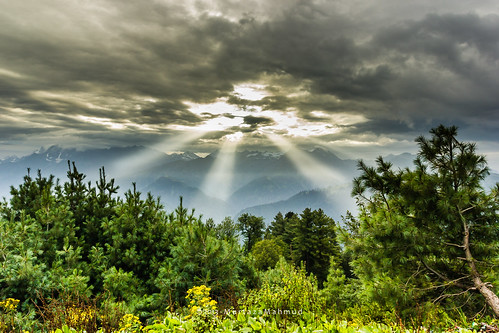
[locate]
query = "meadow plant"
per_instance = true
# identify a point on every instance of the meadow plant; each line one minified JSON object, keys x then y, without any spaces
{"x":130,"y":324}
{"x":202,"y":309}
{"x":7,"y":314}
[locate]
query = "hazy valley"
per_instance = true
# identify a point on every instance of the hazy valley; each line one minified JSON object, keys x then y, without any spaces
{"x":261,"y":183}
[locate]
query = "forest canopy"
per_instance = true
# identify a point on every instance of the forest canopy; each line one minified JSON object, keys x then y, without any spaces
{"x":424,"y":244}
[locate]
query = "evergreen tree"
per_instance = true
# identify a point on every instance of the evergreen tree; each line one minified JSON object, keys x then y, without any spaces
{"x":76,"y":192}
{"x":337,"y":291}
{"x":137,"y":238}
{"x":251,"y":228}
{"x":282,"y":230}
{"x":267,"y":253}
{"x":199,"y":258}
{"x":314,"y":242}
{"x":32,"y":194}
{"x":427,"y":233}
{"x":282,"y":226}
{"x":226,"y":229}
{"x":22,"y":274}
{"x":101,"y":207}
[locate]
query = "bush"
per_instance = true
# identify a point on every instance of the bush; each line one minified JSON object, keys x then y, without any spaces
{"x":267,"y":253}
{"x":286,"y":293}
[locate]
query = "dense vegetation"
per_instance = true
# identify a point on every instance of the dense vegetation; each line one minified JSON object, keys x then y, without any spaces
{"x":422,"y":252}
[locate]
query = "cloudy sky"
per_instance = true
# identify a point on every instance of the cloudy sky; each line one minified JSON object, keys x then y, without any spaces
{"x":361,"y":77}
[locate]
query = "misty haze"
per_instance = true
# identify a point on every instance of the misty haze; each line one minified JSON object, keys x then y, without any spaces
{"x":229,"y":166}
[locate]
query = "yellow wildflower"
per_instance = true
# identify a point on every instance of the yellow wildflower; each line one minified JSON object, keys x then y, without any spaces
{"x":10,"y":304}
{"x":200,"y":300}
{"x":130,"y":323}
{"x":77,"y":317}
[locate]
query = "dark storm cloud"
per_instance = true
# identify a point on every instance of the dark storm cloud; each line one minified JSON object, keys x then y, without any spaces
{"x":275,"y":103}
{"x":383,"y":126}
{"x":305,"y":43}
{"x":466,"y":46}
{"x":166,"y":112}
{"x":9,"y":132}
{"x":446,"y":68}
{"x":256,"y":121}
{"x":442,"y":36}
{"x":122,"y":59}
{"x":83,"y":66}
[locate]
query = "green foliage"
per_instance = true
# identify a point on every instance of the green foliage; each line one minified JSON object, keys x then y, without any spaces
{"x":282,"y":226}
{"x":22,"y":275}
{"x":59,"y":233}
{"x":74,"y":281}
{"x":286,"y":293}
{"x":226,"y":229}
{"x":65,"y":329}
{"x":199,"y":258}
{"x":31,"y":195}
{"x":251,"y":228}
{"x":282,"y":229}
{"x":339,"y":291}
{"x":409,"y":240}
{"x":267,"y":253}
{"x":308,"y":238}
{"x":169,"y":324}
{"x":121,"y":285}
{"x":136,"y":236}
{"x":314,"y":242}
{"x":421,"y":240}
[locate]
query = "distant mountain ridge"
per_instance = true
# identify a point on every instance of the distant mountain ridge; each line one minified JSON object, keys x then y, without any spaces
{"x":53,"y":160}
{"x":268,"y":189}
{"x":331,"y":201}
{"x":263,"y":183}
{"x":171,"y":190}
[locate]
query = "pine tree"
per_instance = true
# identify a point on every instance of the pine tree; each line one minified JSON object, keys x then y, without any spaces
{"x":32,"y":194}
{"x":199,"y":258}
{"x":431,"y":232}
{"x":314,"y":242}
{"x":251,"y":228}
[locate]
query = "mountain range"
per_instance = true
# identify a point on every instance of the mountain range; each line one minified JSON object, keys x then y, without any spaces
{"x":262,"y":183}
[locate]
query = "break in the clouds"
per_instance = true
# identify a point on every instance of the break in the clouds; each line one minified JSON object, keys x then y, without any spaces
{"x":345,"y":73}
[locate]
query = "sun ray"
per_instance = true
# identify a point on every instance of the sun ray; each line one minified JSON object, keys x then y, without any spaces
{"x":218,"y":181}
{"x":320,"y":175}
{"x":132,"y":165}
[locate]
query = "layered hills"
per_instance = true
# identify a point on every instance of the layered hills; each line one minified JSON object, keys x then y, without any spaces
{"x":261,"y":183}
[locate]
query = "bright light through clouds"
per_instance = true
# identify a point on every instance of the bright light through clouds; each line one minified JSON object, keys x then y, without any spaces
{"x":250,"y":92}
{"x":102,"y":121}
{"x":234,"y":137}
{"x":222,"y":115}
{"x":317,"y":173}
{"x":119,"y":76}
{"x":218,"y":181}
{"x":218,"y":116}
{"x":133,"y":164}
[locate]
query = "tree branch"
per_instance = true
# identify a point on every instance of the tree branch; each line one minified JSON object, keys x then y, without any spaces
{"x":491,"y":298}
{"x":456,"y":245}
{"x":467,"y":209}
{"x":448,"y":284}
{"x":441,"y":297}
{"x":445,"y":278}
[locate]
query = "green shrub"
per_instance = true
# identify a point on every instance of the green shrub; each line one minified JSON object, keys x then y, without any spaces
{"x":286,"y":293}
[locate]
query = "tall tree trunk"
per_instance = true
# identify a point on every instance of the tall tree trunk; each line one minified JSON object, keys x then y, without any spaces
{"x":490,"y":297}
